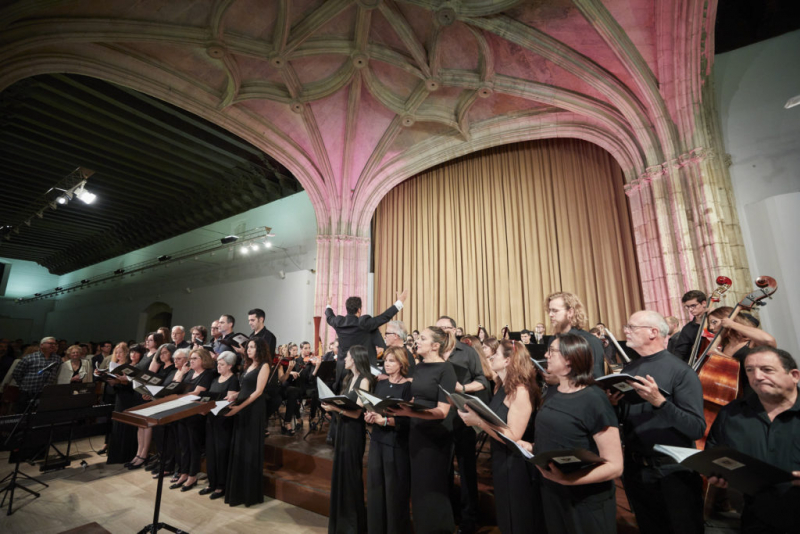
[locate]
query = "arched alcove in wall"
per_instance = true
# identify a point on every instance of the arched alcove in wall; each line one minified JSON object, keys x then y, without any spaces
{"x":153,"y":317}
{"x":485,"y":238}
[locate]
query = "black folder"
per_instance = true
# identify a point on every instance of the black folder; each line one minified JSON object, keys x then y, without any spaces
{"x":618,"y":382}
{"x":567,"y":460}
{"x":742,"y":472}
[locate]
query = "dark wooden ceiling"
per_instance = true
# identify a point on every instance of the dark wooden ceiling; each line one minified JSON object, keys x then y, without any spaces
{"x":159,"y":171}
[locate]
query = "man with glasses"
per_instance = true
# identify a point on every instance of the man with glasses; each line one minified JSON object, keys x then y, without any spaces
{"x":471,"y":380}
{"x":696,"y":304}
{"x":36,"y":371}
{"x":665,"y":497}
{"x":396,"y":336}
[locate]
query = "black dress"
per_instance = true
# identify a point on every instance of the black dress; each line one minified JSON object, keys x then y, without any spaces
{"x":123,"y":442}
{"x":190,"y":430}
{"x":218,"y":437}
{"x":568,"y":421}
{"x":516,"y":498}
{"x":348,"y":515}
{"x":389,"y":469}
{"x":246,"y":466}
{"x":431,"y":447}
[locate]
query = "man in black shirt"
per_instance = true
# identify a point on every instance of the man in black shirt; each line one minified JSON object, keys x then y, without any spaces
{"x":471,"y":379}
{"x":567,"y":317}
{"x":665,"y":497}
{"x":225,"y":325}
{"x":179,"y":338}
{"x":696,"y":304}
{"x":255,"y":318}
{"x":356,"y":329}
{"x":766,"y":426}
{"x":396,"y":335}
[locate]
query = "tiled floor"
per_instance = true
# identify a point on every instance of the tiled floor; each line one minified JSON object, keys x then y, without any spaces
{"x":121,"y":501}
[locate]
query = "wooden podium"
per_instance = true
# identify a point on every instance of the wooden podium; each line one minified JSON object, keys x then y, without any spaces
{"x":167,"y":416}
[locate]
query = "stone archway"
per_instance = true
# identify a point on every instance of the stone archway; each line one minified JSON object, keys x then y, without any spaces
{"x":154,"y":316}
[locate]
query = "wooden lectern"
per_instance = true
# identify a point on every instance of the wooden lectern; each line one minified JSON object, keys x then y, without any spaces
{"x":161,"y":418}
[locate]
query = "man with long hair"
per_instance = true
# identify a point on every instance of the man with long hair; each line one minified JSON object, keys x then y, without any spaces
{"x":567,"y":316}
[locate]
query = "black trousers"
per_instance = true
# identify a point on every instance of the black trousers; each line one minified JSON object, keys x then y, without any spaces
{"x":292,"y":396}
{"x":465,"y":442}
{"x":666,"y":499}
{"x":579,"y":509}
{"x":218,"y":449}
{"x":273,"y":400}
{"x":388,"y":489}
{"x":190,"y":440}
{"x":166,"y":438}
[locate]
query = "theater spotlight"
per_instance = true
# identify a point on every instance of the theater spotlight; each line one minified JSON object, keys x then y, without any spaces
{"x":245,"y":250}
{"x":119,"y":271}
{"x":59,"y":288}
{"x":62,"y":199}
{"x":268,"y":244}
{"x":164,"y":258}
{"x":84,"y":195}
{"x":85,"y":281}
{"x":229,"y":239}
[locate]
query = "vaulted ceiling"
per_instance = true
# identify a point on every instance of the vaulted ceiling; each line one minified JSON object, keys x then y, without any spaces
{"x":349,"y":96}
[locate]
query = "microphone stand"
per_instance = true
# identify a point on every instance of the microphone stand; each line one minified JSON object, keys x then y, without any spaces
{"x":8,"y":490}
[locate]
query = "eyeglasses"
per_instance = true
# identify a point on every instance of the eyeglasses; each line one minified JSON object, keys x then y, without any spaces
{"x":634,"y":327}
{"x":553,"y":351}
{"x":690,"y":307}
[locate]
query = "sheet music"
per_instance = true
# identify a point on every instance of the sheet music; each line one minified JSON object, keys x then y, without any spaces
{"x":323,"y":389}
{"x":177,"y":403}
{"x":219,"y":406}
{"x":374,"y":370}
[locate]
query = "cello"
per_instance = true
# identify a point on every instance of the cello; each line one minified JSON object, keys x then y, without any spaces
{"x":719,"y":374}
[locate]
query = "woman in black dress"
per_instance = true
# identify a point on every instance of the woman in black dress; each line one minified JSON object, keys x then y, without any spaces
{"x":348,"y":515}
{"x":577,"y":415}
{"x":430,"y":439}
{"x":516,"y":398}
{"x":190,"y":429}
{"x":244,"y":484}
{"x":388,"y":465}
{"x":165,"y":435}
{"x":219,"y":427}
{"x":122,"y":439}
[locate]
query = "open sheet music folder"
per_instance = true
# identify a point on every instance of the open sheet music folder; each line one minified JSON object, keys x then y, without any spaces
{"x":460,"y":400}
{"x":741,"y":471}
{"x":619,"y":383}
{"x":567,"y":460}
{"x":326,"y":395}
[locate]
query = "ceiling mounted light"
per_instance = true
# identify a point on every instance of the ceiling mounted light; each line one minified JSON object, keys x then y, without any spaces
{"x":119,"y":271}
{"x":254,"y":246}
{"x":229,"y":239}
{"x":164,"y":258}
{"x":268,"y":244}
{"x":245,"y":250}
{"x":59,"y":288}
{"x":37,"y":294}
{"x":84,"y":195}
{"x":85,"y":281}
{"x":62,"y":199}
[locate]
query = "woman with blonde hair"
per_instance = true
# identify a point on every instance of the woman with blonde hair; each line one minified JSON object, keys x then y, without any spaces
{"x":75,"y":369}
{"x":430,"y":438}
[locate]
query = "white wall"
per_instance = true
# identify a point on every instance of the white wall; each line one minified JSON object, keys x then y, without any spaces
{"x":198,"y":291}
{"x":752,"y":85}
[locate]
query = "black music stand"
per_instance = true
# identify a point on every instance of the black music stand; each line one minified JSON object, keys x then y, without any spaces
{"x":60,"y":402}
{"x":17,"y":456}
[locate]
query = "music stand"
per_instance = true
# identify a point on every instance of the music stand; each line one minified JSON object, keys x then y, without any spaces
{"x":159,"y":419}
{"x":59,"y":402}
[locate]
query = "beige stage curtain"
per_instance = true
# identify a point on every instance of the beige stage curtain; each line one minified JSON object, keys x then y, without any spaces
{"x":487,"y":237}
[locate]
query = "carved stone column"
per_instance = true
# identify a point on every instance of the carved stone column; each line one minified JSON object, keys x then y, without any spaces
{"x":342,"y":271}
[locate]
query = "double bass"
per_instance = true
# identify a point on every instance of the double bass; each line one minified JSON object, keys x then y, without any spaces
{"x":719,"y":374}
{"x":700,"y":341}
